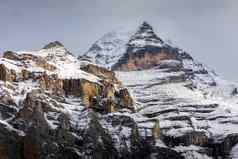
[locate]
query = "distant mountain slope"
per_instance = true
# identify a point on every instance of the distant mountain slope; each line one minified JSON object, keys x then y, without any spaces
{"x":108,"y":49}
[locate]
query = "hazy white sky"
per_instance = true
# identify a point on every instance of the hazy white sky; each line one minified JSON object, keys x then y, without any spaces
{"x":208,"y":29}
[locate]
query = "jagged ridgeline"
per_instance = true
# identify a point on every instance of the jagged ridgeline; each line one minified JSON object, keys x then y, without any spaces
{"x":132,"y":95}
{"x":196,"y":109}
{"x":53,"y":105}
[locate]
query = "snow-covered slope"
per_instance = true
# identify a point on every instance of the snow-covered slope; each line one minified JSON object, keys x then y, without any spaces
{"x":167,"y":96}
{"x":67,"y":65}
{"x":187,"y":115}
{"x":54,"y":106}
{"x":144,"y":36}
{"x":118,"y":46}
{"x":107,"y":50}
{"x":193,"y":104}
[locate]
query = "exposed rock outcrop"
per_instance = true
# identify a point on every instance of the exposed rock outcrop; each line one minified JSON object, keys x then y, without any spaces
{"x":54,"y":106}
{"x":52,"y":83}
{"x":194,"y":105}
{"x":145,"y":60}
{"x":190,"y":138}
{"x":39,"y":68}
{"x":7,"y":74}
{"x":101,"y":72}
{"x":11,"y":55}
{"x":126,"y":99}
{"x":144,"y":50}
{"x":53,"y":45}
{"x":51,"y":113}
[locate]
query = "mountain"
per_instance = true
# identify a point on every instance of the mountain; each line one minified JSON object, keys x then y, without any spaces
{"x":108,"y":49}
{"x":131,"y":96}
{"x":196,"y":108}
{"x":54,"y":106}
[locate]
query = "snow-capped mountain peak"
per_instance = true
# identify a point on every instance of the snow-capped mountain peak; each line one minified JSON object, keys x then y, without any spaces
{"x":53,"y":45}
{"x":144,"y":49}
{"x":145,"y":35}
{"x":109,"y":48}
{"x":168,"y":105}
{"x":54,"y":51}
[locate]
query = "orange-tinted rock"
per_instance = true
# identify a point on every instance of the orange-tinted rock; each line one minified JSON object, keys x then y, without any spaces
{"x":13,"y":76}
{"x":89,"y":91}
{"x":6,"y":74}
{"x":108,"y":90}
{"x":190,"y":138}
{"x":72,"y":87}
{"x":25,"y":74}
{"x":3,"y":72}
{"x":125,"y":100}
{"x":156,"y":130}
{"x":144,"y":60}
{"x":52,"y":83}
{"x":82,"y":88}
{"x":44,"y":64}
{"x":101,"y":72}
{"x":92,"y":93}
{"x":111,"y":106}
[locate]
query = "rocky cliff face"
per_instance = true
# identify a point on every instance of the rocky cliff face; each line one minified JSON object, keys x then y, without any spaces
{"x":195,"y":107}
{"x":54,"y":106}
{"x":144,"y":50}
{"x":154,"y":101}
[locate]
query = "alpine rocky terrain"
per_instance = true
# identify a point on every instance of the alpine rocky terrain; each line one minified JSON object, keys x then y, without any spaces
{"x":196,"y":109}
{"x":131,"y":96}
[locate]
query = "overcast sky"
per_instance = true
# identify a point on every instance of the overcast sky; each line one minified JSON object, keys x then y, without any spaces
{"x":208,"y":29}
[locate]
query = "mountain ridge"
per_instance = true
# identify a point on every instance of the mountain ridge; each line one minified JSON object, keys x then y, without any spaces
{"x":176,"y":88}
{"x":55,"y":105}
